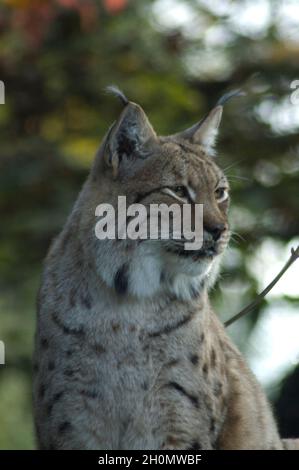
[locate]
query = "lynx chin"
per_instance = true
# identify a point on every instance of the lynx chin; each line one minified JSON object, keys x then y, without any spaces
{"x":129,"y":353}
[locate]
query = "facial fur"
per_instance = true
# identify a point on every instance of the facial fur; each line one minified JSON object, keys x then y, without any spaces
{"x":134,"y":162}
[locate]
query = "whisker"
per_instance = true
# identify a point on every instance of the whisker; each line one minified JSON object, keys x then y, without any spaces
{"x":236,"y":234}
{"x":233,"y":165}
{"x":234,"y":240}
{"x":236,"y":177}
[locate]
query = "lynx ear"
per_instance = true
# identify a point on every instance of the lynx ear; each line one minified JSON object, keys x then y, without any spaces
{"x":130,"y":139}
{"x":205,"y":132}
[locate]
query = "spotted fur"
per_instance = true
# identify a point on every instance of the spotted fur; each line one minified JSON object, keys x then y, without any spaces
{"x":129,"y":353}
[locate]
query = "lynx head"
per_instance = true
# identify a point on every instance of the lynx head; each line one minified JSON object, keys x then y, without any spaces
{"x":135,"y":162}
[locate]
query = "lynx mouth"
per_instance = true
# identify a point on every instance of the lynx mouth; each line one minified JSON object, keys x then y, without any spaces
{"x":195,"y":255}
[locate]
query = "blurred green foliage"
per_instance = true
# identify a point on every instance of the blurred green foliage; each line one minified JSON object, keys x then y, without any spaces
{"x":175,"y":58}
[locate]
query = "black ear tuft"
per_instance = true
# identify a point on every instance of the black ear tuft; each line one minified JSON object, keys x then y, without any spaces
{"x":114,"y":90}
{"x":230,"y":94}
{"x":206,"y":130}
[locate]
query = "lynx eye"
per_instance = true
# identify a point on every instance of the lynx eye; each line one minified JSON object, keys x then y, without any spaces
{"x":181,"y":191}
{"x":221,"y":194}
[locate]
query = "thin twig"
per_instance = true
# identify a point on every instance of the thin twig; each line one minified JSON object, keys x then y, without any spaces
{"x":259,"y":298}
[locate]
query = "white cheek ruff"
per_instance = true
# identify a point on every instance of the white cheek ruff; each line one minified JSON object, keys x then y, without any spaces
{"x":150,"y":272}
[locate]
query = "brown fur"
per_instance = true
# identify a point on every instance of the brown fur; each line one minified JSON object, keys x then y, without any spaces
{"x":129,"y":353}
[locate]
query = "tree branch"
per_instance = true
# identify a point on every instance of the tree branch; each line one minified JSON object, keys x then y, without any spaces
{"x":259,"y":298}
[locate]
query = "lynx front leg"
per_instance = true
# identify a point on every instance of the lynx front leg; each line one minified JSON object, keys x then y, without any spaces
{"x":249,"y":423}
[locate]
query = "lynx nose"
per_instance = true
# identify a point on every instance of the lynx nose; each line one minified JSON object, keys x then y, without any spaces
{"x":216,"y":231}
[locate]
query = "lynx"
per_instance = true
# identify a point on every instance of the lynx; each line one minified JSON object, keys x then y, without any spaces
{"x":129,"y":353}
